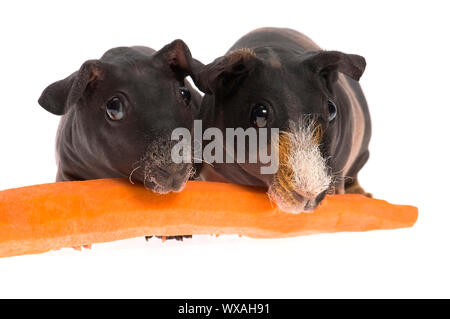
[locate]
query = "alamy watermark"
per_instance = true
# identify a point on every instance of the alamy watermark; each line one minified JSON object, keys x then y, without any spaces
{"x":241,"y":146}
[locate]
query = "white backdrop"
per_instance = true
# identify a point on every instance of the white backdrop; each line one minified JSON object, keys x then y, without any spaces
{"x":406,"y":45}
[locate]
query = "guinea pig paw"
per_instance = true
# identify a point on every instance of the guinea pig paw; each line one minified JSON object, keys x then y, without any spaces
{"x":78,"y":248}
{"x":164,"y":238}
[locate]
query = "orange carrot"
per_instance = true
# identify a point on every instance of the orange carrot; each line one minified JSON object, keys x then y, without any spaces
{"x":40,"y":218}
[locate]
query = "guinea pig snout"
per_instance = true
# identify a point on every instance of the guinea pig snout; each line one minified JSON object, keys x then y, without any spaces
{"x":159,"y":172}
{"x":308,"y":202}
{"x":173,"y":175}
{"x":169,"y":178}
{"x":303,"y":177}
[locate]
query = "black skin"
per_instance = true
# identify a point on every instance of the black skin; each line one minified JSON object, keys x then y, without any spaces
{"x":98,"y":138}
{"x":292,"y":77}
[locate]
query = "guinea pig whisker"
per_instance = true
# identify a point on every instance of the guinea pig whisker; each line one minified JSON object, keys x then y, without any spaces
{"x":200,"y":159}
{"x":337,"y":177}
{"x":145,"y":185}
{"x":338,"y":172}
{"x":131,"y":174}
{"x":270,"y":199}
{"x":137,"y":162}
{"x":191,"y":172}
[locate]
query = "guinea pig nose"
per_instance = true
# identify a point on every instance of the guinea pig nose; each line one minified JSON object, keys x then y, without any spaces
{"x":311,"y":204}
{"x":320,"y":197}
{"x":162,"y":172}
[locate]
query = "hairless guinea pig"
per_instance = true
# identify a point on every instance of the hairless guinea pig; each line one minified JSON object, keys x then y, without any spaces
{"x":119,"y":113}
{"x":279,"y":78}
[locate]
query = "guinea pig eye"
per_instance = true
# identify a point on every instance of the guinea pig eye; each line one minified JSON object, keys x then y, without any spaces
{"x":332,"y":110}
{"x":185,"y":94}
{"x":259,"y":115}
{"x":114,"y":109}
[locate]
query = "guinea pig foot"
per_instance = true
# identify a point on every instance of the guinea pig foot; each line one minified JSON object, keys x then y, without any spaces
{"x":179,"y":238}
{"x":355,"y":188}
{"x":164,"y":238}
{"x":78,"y":248}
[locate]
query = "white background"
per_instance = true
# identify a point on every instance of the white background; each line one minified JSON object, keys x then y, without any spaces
{"x":406,"y":45}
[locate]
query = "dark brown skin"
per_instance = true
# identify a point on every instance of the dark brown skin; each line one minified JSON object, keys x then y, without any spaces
{"x":292,"y":77}
{"x":136,"y":142}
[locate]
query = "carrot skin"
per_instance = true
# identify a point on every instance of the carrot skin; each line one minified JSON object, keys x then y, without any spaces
{"x":40,"y":218}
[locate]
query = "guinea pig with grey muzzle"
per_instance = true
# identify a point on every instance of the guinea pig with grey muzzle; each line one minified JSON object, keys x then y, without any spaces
{"x":118,"y":113}
{"x":279,"y":78}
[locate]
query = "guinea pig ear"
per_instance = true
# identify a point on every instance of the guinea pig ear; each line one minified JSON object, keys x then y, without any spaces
{"x":225,"y":73}
{"x":178,"y":57}
{"x":327,"y":64}
{"x":58,"y":97}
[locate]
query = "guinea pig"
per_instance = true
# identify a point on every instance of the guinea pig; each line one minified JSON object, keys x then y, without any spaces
{"x":279,"y":78}
{"x":118,"y":113}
